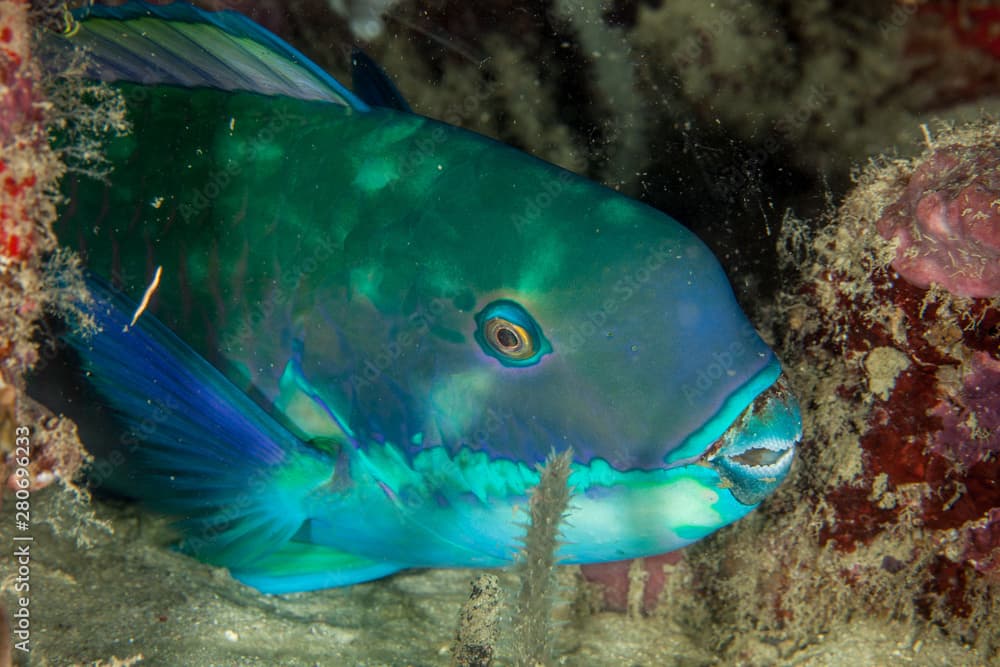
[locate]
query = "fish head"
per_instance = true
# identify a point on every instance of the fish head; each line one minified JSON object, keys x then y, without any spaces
{"x":560,"y":314}
{"x":595,"y":322}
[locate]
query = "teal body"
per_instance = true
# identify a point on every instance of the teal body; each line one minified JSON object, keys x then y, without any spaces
{"x":387,"y":323}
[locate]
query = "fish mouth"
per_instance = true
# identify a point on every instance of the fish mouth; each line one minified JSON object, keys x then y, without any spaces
{"x":756,"y":452}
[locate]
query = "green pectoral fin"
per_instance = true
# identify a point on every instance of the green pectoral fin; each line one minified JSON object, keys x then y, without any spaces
{"x":299,"y":566}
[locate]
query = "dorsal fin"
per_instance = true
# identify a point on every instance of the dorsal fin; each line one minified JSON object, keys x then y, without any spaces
{"x":373,"y":85}
{"x":179,"y":44}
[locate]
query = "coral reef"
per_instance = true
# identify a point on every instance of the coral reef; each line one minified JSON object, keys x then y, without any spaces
{"x":892,"y":511}
{"x":904,"y":379}
{"x":930,"y":438}
{"x":29,"y":173}
{"x":28,"y":170}
{"x":951,"y":46}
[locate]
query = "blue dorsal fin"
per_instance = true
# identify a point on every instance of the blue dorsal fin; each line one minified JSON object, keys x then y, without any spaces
{"x":179,"y":44}
{"x":373,"y":85}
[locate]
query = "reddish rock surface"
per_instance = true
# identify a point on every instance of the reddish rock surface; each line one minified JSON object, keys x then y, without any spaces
{"x":947,"y":222}
{"x":618,"y":582}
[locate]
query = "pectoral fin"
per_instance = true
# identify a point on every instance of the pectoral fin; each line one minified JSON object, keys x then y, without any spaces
{"x":308,"y":412}
{"x":299,"y":566}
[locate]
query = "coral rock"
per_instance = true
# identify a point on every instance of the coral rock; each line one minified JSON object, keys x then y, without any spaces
{"x":927,"y":484}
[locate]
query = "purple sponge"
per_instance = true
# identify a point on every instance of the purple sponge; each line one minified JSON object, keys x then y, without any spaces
{"x":948,"y":222}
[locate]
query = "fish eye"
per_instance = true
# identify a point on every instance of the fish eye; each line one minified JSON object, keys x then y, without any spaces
{"x":509,"y":334}
{"x":509,"y":338}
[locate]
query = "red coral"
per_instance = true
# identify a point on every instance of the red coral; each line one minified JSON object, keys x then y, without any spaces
{"x":28,"y":174}
{"x":931,"y":446}
{"x":20,"y":131}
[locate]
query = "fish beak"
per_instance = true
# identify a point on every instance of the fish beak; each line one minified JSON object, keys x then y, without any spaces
{"x":754,"y":455}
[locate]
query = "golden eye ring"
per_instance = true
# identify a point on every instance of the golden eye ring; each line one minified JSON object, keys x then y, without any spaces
{"x":508,"y":333}
{"x":509,"y":339}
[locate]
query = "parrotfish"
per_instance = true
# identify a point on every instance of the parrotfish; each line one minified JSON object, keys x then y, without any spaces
{"x":370,"y":328}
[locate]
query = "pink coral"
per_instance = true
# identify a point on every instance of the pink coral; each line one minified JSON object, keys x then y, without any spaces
{"x":947,"y":221}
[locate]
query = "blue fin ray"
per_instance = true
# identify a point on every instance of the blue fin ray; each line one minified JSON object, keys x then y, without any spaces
{"x":179,"y":44}
{"x":194,"y":444}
